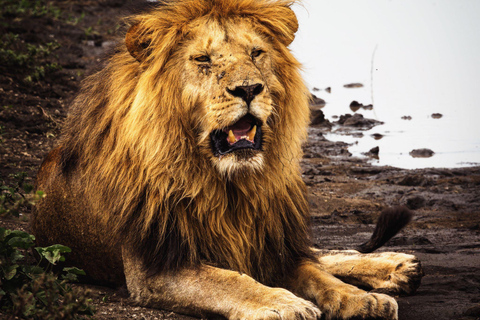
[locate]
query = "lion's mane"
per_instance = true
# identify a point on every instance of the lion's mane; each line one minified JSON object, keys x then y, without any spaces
{"x":132,"y":139}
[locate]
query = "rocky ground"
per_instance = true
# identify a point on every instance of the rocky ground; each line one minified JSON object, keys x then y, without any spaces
{"x":69,"y":38}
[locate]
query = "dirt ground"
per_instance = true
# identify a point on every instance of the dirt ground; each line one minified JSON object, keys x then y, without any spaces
{"x":346,"y":193}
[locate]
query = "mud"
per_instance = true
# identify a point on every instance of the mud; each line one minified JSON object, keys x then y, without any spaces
{"x":346,"y":194}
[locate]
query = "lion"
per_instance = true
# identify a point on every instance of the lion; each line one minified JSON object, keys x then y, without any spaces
{"x":178,"y":174}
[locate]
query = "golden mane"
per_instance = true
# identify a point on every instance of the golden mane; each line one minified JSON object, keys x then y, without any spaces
{"x":132,"y":137}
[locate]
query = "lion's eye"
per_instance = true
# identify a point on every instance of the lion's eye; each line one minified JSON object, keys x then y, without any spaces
{"x":202,"y":59}
{"x":256,"y":53}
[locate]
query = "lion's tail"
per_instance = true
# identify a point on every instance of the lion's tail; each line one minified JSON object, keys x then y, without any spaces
{"x":390,"y":222}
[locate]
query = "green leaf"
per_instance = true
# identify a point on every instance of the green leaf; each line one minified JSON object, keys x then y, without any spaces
{"x":20,"y":242}
{"x":33,"y":270}
{"x":10,"y":271}
{"x":22,"y":234}
{"x":4,"y":233}
{"x":53,"y":254}
{"x":15,"y":256}
{"x":72,"y":273}
{"x":74,"y":270}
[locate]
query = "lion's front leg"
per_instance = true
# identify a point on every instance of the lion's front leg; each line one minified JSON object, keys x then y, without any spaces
{"x":206,"y":291}
{"x":389,"y":272}
{"x":339,"y":300}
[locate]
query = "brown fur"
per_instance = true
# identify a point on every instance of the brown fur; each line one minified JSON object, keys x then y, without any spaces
{"x":135,"y":176}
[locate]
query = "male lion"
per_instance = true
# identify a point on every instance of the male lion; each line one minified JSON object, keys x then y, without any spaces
{"x":178,"y":174}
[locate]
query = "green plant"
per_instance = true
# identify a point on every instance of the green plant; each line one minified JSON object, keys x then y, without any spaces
{"x":34,"y":292}
{"x":17,"y":197}
{"x":73,"y":20}
{"x":33,"y":59}
{"x":30,"y":8}
{"x":27,"y":289}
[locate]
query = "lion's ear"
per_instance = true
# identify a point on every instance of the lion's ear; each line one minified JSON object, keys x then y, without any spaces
{"x":137,"y":42}
{"x":283,"y":22}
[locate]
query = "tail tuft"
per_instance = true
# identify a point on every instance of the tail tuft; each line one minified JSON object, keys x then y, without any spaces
{"x":390,"y":222}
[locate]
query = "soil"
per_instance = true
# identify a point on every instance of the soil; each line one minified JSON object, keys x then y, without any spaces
{"x":346,"y":193}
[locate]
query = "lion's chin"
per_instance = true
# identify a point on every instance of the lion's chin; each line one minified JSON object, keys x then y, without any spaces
{"x":239,"y":162}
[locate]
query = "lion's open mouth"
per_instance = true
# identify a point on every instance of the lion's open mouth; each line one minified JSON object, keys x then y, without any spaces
{"x":246,"y":133}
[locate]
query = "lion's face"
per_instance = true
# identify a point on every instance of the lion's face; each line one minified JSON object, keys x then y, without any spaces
{"x":228,"y":73}
{"x":222,"y":72}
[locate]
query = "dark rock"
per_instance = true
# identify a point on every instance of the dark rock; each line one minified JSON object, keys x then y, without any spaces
{"x":377,"y":136}
{"x":317,"y":118}
{"x":357,"y":120}
{"x":315,"y":101}
{"x":421,"y":153}
{"x":316,"y":89}
{"x":416,"y":202}
{"x":437,"y":115}
{"x":413,"y":180}
{"x":406,"y":118}
{"x":374,"y":150}
{"x":355,"y":105}
{"x":329,"y":90}
{"x":373,"y":153}
{"x":353,"y":85}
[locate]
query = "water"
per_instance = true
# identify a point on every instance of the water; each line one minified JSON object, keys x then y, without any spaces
{"x":414,"y":58}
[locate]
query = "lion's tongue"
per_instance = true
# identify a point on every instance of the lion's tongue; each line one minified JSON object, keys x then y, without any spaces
{"x":240,"y":130}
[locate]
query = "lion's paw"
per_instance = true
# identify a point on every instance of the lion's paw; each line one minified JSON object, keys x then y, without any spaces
{"x":279,"y":304}
{"x":405,"y":276}
{"x":337,"y":304}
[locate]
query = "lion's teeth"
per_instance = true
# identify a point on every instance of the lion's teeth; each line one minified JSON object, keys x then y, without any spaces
{"x":251,"y":134}
{"x":231,"y":137}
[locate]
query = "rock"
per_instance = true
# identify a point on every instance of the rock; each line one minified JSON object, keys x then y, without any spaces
{"x":377,"y":136}
{"x":416,"y":202}
{"x":353,"y":85}
{"x":315,"y":101}
{"x":414,"y":180}
{"x":406,"y":118}
{"x":373,"y":153}
{"x":421,"y":153}
{"x":355,"y":105}
{"x":317,"y":118}
{"x":357,"y":120}
{"x":437,"y":115}
{"x":329,"y":90}
{"x":374,"y":150}
{"x":316,"y":89}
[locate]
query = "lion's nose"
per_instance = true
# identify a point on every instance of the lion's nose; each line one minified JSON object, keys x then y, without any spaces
{"x":247,"y":93}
